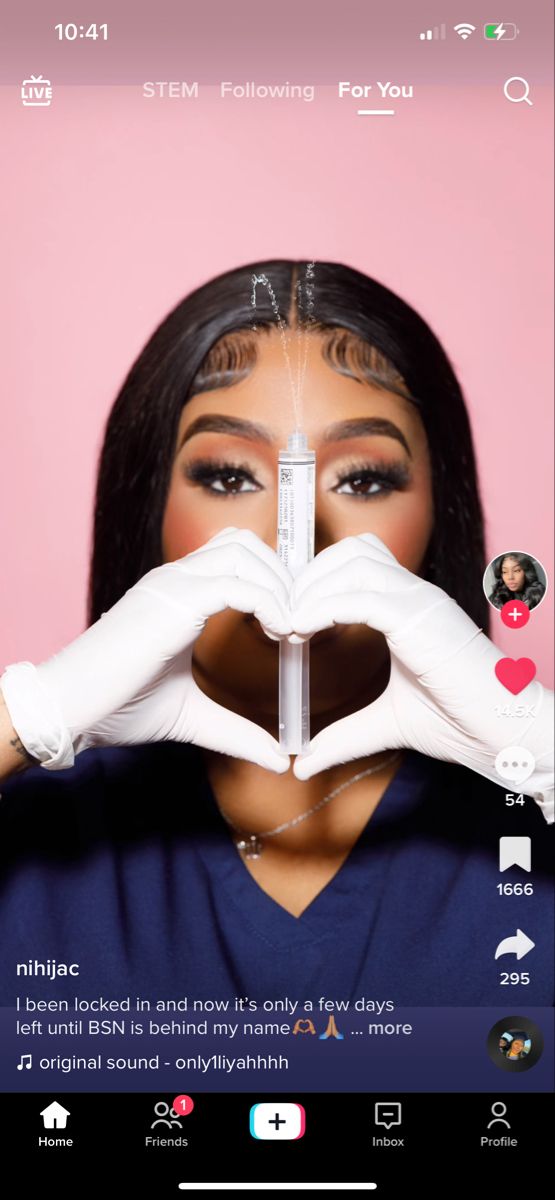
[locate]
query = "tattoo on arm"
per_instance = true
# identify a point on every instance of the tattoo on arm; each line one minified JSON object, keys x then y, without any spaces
{"x":20,"y":749}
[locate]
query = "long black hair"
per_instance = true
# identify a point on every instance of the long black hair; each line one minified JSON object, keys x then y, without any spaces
{"x":139,"y":444}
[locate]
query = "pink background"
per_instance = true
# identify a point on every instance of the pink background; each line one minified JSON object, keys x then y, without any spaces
{"x":116,"y":207}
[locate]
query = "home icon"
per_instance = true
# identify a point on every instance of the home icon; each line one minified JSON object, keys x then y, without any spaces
{"x":55,"y":1116}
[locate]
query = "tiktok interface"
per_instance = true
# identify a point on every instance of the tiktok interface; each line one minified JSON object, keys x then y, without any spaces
{"x":276,"y":750}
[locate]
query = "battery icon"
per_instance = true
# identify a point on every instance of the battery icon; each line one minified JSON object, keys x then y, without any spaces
{"x":500,"y":31}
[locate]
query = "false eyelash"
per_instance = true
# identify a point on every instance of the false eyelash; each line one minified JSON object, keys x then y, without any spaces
{"x":203,"y":470}
{"x":393,"y":475}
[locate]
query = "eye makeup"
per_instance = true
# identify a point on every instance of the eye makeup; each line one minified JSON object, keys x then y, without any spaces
{"x":369,"y":479}
{"x":220,"y":477}
{"x":366,"y":480}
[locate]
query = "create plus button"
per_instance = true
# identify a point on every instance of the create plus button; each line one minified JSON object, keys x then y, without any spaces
{"x":277,"y":1122}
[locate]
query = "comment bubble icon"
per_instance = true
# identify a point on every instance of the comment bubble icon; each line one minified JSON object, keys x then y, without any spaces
{"x":515,"y":764}
{"x":387,"y":1113}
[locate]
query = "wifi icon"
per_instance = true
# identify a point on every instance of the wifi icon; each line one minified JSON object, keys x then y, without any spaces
{"x":464,"y":30}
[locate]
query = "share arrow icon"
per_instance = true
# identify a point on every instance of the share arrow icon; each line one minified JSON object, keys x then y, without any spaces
{"x":519,"y":945}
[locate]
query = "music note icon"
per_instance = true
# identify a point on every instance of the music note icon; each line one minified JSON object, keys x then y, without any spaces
{"x":26,"y":1061}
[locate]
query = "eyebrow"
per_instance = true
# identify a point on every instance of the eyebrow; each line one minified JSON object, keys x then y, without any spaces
{"x":365,"y":427}
{"x":216,"y":423}
{"x":339,"y":431}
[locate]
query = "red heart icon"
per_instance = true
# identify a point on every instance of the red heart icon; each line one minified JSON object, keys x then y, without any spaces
{"x":515,"y":673}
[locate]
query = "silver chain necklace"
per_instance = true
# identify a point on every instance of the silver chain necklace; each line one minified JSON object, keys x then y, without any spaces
{"x":250,"y":844}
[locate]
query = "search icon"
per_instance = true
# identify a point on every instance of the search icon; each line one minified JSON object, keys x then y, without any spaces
{"x":524,"y":94}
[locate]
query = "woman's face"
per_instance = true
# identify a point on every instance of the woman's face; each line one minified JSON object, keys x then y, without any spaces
{"x":372,"y":476}
{"x":512,"y":575}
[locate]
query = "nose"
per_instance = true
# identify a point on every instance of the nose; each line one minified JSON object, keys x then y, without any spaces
{"x":327,"y":530}
{"x":324,"y":533}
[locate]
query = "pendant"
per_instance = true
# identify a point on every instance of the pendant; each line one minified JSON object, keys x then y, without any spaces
{"x":250,"y":847}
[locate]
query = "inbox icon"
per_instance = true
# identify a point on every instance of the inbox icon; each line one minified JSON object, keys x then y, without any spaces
{"x":387,"y":1113}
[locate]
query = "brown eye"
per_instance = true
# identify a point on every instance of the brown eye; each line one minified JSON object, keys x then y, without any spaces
{"x":221,"y":479}
{"x":369,"y":482}
{"x":358,"y":485}
{"x":231,"y":482}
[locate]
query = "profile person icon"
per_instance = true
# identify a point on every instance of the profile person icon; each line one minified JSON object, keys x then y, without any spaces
{"x":499,"y":1110}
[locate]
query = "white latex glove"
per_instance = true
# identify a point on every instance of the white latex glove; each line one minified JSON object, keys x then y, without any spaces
{"x":128,"y":678}
{"x":442,"y":692}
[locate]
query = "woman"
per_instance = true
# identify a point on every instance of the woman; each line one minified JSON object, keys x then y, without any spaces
{"x":183,"y":852}
{"x":516,"y":579}
{"x":517,"y":1049}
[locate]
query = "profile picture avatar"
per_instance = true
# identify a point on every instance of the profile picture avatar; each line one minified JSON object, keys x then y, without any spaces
{"x":515,"y":1044}
{"x":515,"y":575}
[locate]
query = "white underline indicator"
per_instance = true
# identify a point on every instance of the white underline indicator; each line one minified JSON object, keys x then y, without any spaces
{"x":375,"y":112}
{"x":277,"y":1187}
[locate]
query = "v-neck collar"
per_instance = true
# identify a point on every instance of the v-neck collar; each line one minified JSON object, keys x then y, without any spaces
{"x":363,"y":868}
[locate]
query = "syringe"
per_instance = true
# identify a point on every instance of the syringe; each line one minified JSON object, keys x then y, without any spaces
{"x":295,"y":547}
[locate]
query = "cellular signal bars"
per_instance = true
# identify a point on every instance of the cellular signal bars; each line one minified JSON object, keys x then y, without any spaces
{"x":436,"y":34}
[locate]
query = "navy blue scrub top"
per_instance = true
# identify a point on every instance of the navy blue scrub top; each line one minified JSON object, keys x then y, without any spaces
{"x":125,"y":865}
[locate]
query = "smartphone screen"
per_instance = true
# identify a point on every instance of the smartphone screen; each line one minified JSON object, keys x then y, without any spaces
{"x":276,"y":760}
